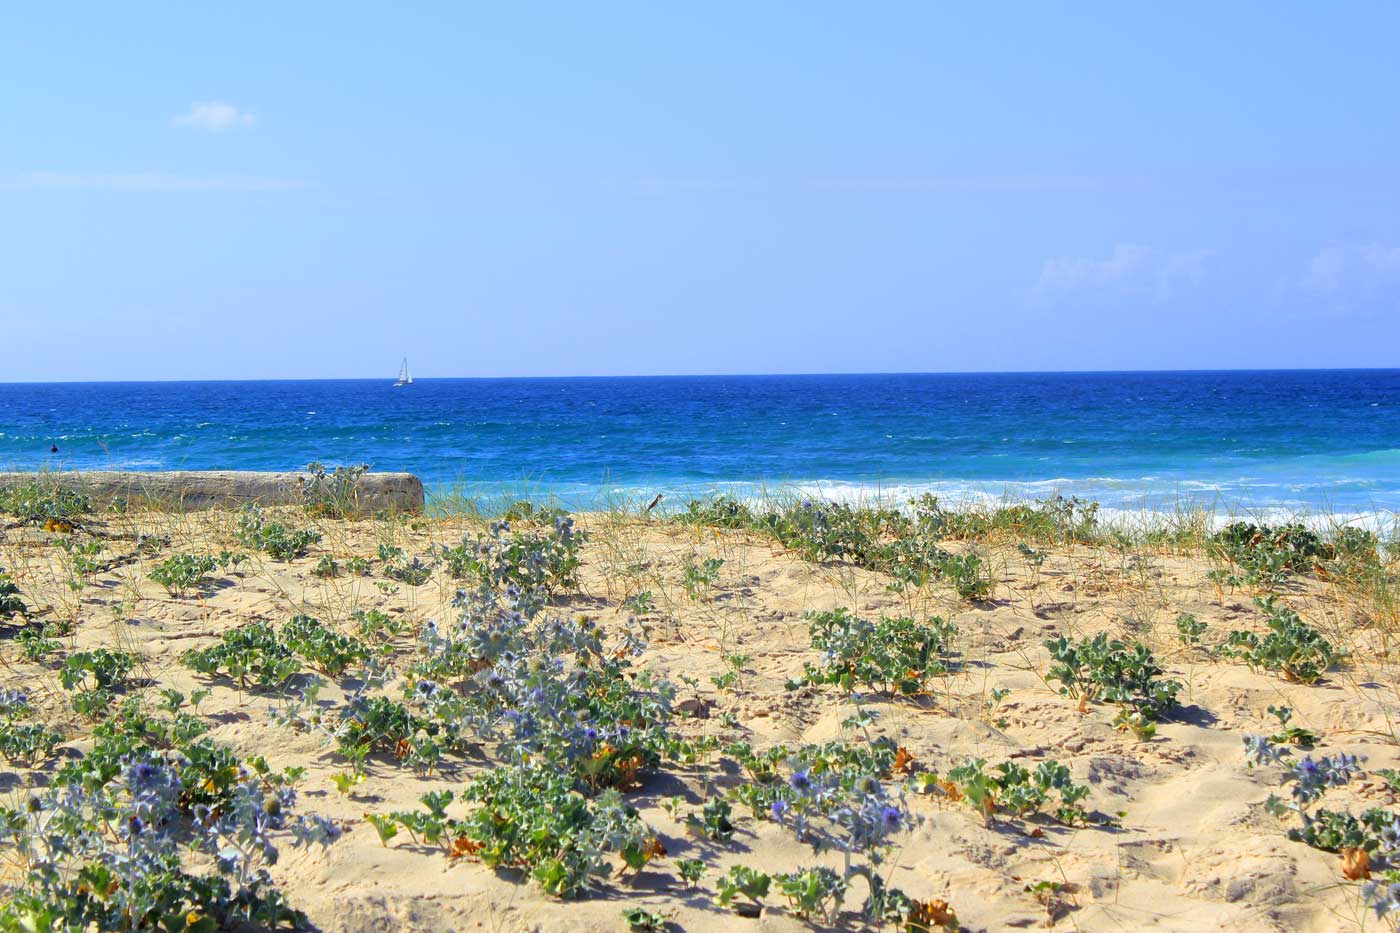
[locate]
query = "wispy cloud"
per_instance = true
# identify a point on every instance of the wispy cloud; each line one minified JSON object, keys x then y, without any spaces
{"x":214,"y":116}
{"x":1130,"y":269}
{"x":149,"y":181}
{"x":1341,"y":273}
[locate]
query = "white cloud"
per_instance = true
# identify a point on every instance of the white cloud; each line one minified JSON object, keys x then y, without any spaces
{"x":149,"y":181}
{"x":1129,"y":269}
{"x":1351,"y":272}
{"x":214,"y":116}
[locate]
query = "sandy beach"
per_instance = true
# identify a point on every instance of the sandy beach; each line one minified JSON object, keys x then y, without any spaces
{"x":1173,"y":832}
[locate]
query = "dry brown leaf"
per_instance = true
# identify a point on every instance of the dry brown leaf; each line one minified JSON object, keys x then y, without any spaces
{"x":1356,"y":864}
{"x":463,"y":847}
{"x":935,"y":913}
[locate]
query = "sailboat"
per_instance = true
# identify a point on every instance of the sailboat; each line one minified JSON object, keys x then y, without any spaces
{"x":404,"y":378}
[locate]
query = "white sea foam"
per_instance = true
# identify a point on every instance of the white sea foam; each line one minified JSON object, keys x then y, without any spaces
{"x":1139,"y":505}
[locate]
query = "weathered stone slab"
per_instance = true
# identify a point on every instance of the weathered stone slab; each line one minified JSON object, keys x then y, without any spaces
{"x":200,"y":489}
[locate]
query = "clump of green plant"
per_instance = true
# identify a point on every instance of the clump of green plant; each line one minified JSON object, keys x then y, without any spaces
{"x":822,"y":531}
{"x":532,"y":818}
{"x":27,"y":743}
{"x":1292,"y":649}
{"x":398,"y":566}
{"x":719,"y":511}
{"x":539,"y":560}
{"x":523,"y":510}
{"x":36,"y":644}
{"x":35,"y":502}
{"x":813,"y":892}
{"x":699,"y":578}
{"x":100,"y":668}
{"x":642,"y":603}
{"x":153,"y":831}
{"x":1055,"y":520}
{"x":377,"y":625}
{"x":1012,"y":788}
{"x":969,"y":574}
{"x":20,"y":741}
{"x":714,"y":821}
{"x":1189,"y":629}
{"x":1290,"y":735}
{"x":334,"y":494}
{"x":251,"y":653}
{"x":893,"y":655}
{"x":183,"y":572}
{"x":1369,"y":844}
{"x":369,"y":724}
{"x":752,"y":883}
{"x":1266,"y":554}
{"x":257,"y":531}
{"x":10,"y":601}
{"x":231,"y":560}
{"x":641,"y":920}
{"x":81,"y":557}
{"x":327,"y":568}
{"x":1110,"y":670}
{"x":324,"y":649}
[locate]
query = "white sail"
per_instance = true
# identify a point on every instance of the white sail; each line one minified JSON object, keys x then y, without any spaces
{"x":404,"y":378}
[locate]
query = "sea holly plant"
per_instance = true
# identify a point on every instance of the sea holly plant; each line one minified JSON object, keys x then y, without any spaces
{"x":699,"y":578}
{"x":538,"y":561}
{"x":547,"y":689}
{"x":893,"y":655}
{"x":333,"y":494}
{"x":399,"y":566}
{"x":750,"y":883}
{"x":327,"y":568}
{"x":1189,"y":629}
{"x":23,"y":742}
{"x":833,"y":798}
{"x":153,"y":832}
{"x":1369,"y":843}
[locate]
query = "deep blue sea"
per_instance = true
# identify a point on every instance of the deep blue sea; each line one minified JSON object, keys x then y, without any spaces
{"x":1298,"y":440}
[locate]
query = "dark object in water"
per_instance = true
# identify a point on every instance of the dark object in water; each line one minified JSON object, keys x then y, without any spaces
{"x":53,"y":448}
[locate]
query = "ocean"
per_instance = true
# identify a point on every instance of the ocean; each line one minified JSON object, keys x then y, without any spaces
{"x":1284,"y":441}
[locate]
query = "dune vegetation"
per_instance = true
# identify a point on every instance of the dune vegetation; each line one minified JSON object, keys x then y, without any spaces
{"x":793,"y":714}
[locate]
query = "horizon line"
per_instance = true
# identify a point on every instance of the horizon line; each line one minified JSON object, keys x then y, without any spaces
{"x":735,"y":375}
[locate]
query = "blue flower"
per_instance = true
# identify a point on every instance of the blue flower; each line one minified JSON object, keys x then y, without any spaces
{"x":779,"y":808}
{"x":801,"y":781}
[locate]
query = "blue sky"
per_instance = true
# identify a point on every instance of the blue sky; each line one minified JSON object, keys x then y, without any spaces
{"x":309,"y":190}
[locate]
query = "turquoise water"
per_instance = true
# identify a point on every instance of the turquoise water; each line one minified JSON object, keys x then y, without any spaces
{"x":1286,"y":440}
